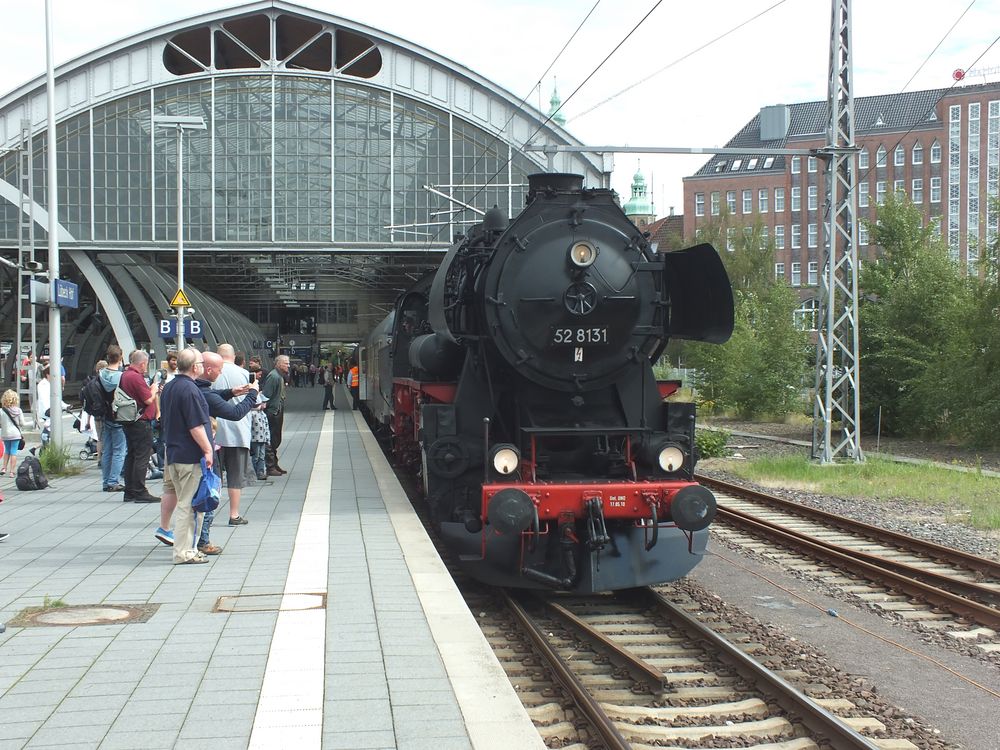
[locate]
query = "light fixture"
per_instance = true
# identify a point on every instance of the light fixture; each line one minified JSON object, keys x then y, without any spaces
{"x":505,"y":458}
{"x":582,"y":254}
{"x":671,"y":458}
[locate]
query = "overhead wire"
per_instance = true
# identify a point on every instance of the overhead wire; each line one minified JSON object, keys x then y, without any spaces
{"x":513,"y":114}
{"x":937,"y":46}
{"x":682,"y":58}
{"x":548,"y":118}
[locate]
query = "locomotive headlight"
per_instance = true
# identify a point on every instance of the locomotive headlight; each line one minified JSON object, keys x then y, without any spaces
{"x":671,"y":458}
{"x":505,"y":459}
{"x":582,"y":254}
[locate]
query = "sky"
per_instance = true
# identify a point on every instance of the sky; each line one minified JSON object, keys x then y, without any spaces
{"x":777,"y":53}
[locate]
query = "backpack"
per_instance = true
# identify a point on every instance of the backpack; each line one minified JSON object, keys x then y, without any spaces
{"x":30,"y":476}
{"x":123,"y":407}
{"x":95,"y":398}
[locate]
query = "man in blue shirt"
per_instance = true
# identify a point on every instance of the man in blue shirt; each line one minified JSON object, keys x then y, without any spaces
{"x":187,"y":434}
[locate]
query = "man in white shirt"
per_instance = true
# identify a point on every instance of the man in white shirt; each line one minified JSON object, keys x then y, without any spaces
{"x":234,"y":437}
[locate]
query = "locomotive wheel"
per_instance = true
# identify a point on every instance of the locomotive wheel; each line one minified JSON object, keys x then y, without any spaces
{"x":447,"y":458}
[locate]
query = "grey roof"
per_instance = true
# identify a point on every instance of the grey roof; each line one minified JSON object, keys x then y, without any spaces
{"x":886,"y":113}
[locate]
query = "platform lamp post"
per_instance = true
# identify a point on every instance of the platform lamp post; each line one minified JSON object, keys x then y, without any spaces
{"x":180,"y":124}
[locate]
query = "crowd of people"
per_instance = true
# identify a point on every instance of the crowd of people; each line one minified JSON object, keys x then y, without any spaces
{"x":143,"y":425}
{"x":211,"y":406}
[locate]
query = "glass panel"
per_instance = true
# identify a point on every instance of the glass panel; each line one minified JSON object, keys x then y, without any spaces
{"x":73,"y":149}
{"x":480,"y":165}
{"x":122,"y":180}
{"x":420,"y":158}
{"x":361,"y":160}
{"x":192,"y":99}
{"x":243,"y":159}
{"x":302,"y":199}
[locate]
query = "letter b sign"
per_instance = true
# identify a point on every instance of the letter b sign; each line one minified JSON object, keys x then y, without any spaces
{"x":194,"y":328}
{"x":166,"y":328}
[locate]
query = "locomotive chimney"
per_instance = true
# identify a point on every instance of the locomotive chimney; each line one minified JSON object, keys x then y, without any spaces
{"x":559,"y":182}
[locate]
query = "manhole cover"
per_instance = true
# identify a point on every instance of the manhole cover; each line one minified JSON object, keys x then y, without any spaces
{"x":84,"y":614}
{"x":270,"y":602}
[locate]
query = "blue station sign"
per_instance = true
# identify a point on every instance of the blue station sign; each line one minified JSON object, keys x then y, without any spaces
{"x":192,"y":328}
{"x":67,"y":293}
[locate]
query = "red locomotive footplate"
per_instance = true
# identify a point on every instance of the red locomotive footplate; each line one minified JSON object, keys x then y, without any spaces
{"x":625,"y":500}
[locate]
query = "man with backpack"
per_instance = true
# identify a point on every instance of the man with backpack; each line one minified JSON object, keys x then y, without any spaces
{"x":138,"y":426}
{"x":93,"y":398}
{"x":112,"y":435}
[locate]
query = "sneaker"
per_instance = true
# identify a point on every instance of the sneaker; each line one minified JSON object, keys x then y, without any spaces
{"x":167,"y":537}
{"x":115,"y":488}
{"x":238,"y":521}
{"x":262,"y":476}
{"x":199,"y":558}
{"x":147,"y":498}
{"x":209,"y":549}
{"x":3,"y":536}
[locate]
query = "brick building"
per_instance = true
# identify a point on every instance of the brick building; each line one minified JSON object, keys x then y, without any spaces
{"x":939,"y":147}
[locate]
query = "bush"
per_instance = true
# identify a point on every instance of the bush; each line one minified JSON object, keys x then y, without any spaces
{"x":711,"y":443}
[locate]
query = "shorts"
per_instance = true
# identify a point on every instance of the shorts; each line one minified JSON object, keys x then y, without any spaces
{"x":10,"y":446}
{"x":236,"y":463}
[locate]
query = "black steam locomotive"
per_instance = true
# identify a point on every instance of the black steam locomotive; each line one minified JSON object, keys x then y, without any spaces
{"x":517,"y":381}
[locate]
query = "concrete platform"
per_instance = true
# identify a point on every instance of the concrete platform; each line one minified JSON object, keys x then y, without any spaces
{"x":349,"y":633}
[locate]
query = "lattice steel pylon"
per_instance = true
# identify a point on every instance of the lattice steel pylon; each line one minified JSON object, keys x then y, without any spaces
{"x":25,"y":257}
{"x":837,"y":409}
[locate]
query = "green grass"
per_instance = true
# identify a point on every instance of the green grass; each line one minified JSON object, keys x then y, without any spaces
{"x":970,"y":498}
{"x":56,"y":461}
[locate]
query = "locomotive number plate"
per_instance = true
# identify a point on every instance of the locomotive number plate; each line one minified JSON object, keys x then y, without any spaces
{"x":577,"y":336}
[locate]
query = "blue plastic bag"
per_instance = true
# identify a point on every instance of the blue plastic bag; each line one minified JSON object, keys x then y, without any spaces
{"x":206,"y":497}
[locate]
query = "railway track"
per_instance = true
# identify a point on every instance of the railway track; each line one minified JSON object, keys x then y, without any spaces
{"x":938,"y":587}
{"x":638,"y":671}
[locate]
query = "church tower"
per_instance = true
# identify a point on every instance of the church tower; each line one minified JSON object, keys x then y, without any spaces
{"x":640,"y":207}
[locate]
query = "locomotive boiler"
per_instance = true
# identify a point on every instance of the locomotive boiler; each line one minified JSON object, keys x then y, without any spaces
{"x":517,"y":382}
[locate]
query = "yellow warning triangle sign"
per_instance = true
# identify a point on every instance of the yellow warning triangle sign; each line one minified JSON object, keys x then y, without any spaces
{"x":180,"y":299}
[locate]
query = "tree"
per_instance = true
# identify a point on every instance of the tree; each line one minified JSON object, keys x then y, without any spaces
{"x":914,"y":302}
{"x":760,"y":370}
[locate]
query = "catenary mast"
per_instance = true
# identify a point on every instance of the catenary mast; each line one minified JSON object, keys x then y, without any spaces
{"x":837,"y":411}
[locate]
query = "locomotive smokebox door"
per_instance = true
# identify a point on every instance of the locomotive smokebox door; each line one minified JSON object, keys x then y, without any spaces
{"x":701,"y":296}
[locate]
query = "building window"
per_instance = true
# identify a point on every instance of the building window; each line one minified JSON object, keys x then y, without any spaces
{"x":731,"y":201}
{"x":715,"y":203}
{"x":748,"y":201}
{"x":880,"y":157}
{"x":779,"y":200}
{"x":918,"y":154}
{"x":752,"y":164}
{"x":917,"y":193}
{"x":796,"y":199}
{"x":731,"y":239}
{"x":935,"y":189}
{"x":796,"y":164}
{"x":765,"y":235}
{"x":813,"y":197}
{"x":899,"y":156}
{"x":813,"y":271}
{"x":811,"y":164}
{"x":737,"y":163}
{"x":779,"y":237}
{"x":796,"y":236}
{"x":762,"y":200}
{"x":806,"y":317}
{"x":779,"y":271}
{"x":863,"y":195}
{"x":880,"y":192}
{"x":863,"y":159}
{"x":897,"y":188}
{"x":863,"y":234}
{"x":699,"y":204}
{"x":935,"y":153}
{"x":768,"y":162}
{"x":796,"y":272}
{"x":812,"y":235}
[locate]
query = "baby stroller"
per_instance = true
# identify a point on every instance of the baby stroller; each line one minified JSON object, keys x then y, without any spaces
{"x":84,"y":424}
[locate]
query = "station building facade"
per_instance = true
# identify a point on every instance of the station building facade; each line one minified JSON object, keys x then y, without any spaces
{"x":336,"y":165}
{"x":940,"y":148}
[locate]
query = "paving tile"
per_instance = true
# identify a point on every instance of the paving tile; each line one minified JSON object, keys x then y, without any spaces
{"x":340,"y":740}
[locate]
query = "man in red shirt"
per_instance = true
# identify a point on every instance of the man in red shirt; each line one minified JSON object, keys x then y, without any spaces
{"x":138,"y":434}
